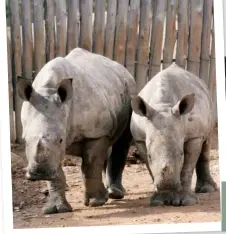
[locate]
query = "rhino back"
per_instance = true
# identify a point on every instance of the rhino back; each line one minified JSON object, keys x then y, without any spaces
{"x":103,"y":70}
{"x":103,"y":90}
{"x":169,"y":86}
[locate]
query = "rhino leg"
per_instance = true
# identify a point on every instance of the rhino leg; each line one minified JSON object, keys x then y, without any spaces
{"x":205,"y":182}
{"x":192,"y":150}
{"x":57,"y":202}
{"x":116,"y":163}
{"x":183,"y":196}
{"x":93,"y":159}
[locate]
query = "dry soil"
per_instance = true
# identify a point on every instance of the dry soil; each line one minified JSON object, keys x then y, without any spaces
{"x":28,"y":199}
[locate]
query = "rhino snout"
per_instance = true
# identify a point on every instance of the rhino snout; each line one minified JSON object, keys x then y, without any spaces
{"x":167,"y":171}
{"x":167,"y":178}
{"x":40,"y":172}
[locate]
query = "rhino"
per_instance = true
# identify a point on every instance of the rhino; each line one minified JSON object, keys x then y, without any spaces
{"x":80,"y":105}
{"x":171,"y":125}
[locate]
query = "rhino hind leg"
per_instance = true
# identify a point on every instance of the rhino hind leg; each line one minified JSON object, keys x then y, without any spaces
{"x":57,"y":202}
{"x":93,"y":158}
{"x":116,"y":164}
{"x":205,"y":182}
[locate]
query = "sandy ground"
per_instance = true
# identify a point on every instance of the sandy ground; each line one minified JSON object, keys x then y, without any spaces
{"x":28,"y":199}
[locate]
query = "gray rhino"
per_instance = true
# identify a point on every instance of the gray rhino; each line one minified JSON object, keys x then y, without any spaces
{"x":80,"y":105}
{"x":171,"y":125}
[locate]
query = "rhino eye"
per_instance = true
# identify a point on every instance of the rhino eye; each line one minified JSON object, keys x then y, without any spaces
{"x":62,"y":93}
{"x":61,"y":140}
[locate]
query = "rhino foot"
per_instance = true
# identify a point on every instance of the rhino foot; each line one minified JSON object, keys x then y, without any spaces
{"x":98,"y":199}
{"x":53,"y":207}
{"x":182,"y":198}
{"x":94,"y":202}
{"x":116,"y":192}
{"x":207,"y":186}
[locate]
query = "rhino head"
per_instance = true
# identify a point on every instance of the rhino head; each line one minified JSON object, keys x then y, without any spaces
{"x":165,"y":139}
{"x":44,"y":121}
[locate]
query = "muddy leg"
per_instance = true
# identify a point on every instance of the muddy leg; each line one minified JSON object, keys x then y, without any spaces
{"x":94,"y":157}
{"x":46,"y":191}
{"x":104,"y":174}
{"x":116,"y":164}
{"x":57,"y":202}
{"x":192,"y":152}
{"x":205,"y":182}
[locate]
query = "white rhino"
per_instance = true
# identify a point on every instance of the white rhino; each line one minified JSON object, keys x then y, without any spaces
{"x":171,"y":124}
{"x":80,"y":105}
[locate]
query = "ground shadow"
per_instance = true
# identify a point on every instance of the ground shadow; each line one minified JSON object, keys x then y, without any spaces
{"x":140,"y":207}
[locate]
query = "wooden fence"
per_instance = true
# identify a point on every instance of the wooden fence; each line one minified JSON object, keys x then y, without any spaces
{"x":143,"y":35}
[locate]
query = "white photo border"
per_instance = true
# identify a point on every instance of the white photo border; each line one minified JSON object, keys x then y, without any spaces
{"x":5,"y":162}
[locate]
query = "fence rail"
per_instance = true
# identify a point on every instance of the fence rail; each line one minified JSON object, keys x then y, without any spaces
{"x":145,"y":36}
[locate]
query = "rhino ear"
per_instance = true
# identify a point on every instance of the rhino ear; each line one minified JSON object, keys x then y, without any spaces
{"x":140,"y":107}
{"x":24,"y":88}
{"x":185,"y":105}
{"x":65,"y":89}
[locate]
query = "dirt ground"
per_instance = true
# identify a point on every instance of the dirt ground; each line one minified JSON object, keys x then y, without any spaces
{"x":28,"y":199}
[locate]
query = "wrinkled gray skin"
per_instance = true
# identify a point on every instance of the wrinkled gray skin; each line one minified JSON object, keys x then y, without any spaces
{"x":80,"y":105}
{"x":171,"y":125}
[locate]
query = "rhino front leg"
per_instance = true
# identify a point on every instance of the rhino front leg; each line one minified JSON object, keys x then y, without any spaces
{"x":94,"y":157}
{"x":192,"y":150}
{"x":205,"y":182}
{"x":57,"y":202}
